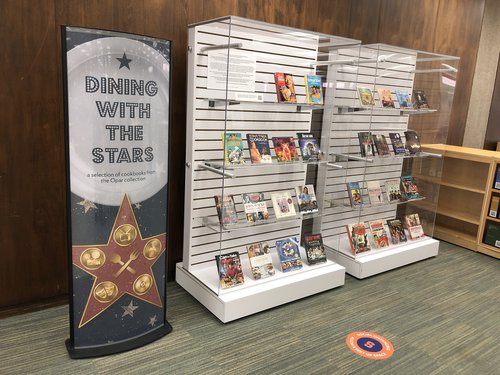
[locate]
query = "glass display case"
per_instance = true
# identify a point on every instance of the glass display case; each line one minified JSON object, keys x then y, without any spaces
{"x":250,"y":201}
{"x":389,"y":102}
{"x":274,"y":119}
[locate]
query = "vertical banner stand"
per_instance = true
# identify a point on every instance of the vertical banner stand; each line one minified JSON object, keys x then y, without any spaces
{"x":117,"y":107}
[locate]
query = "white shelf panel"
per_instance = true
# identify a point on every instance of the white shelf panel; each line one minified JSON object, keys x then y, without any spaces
{"x":377,"y":261}
{"x":257,"y":295}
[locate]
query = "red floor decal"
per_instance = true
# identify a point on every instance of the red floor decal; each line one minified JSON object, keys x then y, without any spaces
{"x":369,"y":345}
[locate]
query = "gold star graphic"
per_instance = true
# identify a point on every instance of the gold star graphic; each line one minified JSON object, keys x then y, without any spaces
{"x":138,"y":205}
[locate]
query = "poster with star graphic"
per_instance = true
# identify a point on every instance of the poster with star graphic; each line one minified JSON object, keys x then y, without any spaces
{"x":117,"y":102}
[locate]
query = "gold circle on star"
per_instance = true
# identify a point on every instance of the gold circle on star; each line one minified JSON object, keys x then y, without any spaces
{"x":142,"y":284}
{"x":152,"y":249}
{"x":125,"y":234}
{"x":92,"y":258}
{"x":105,"y":292}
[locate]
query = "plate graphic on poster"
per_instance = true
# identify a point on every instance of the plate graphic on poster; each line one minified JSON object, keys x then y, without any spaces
{"x":118,"y":122}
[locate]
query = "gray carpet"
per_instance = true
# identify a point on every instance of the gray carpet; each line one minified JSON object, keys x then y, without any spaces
{"x":442,"y":315}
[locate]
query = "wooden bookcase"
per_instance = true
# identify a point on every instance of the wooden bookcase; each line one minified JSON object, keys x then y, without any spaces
{"x":491,"y":191}
{"x":466,"y":185}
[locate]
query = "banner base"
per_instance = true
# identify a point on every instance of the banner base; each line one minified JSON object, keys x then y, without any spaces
{"x":103,"y":350}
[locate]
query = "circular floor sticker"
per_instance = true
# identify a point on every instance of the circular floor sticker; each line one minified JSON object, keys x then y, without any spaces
{"x":369,"y":345}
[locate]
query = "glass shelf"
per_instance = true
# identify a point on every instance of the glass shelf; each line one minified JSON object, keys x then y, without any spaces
{"x":372,"y":159}
{"x":222,"y":102}
{"x":212,"y":103}
{"x":397,"y":111}
{"x":219,"y":168}
{"x":213,"y":223}
{"x":345,"y":207}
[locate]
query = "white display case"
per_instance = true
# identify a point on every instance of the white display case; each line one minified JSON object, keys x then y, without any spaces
{"x":250,"y":53}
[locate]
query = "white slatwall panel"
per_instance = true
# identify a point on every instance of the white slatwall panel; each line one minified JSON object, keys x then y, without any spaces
{"x":342,"y":138}
{"x":275,"y":52}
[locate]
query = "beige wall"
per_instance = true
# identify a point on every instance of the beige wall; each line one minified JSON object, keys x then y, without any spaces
{"x":484,"y":77}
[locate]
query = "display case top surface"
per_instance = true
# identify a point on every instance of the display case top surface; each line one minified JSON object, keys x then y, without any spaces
{"x":228,"y":21}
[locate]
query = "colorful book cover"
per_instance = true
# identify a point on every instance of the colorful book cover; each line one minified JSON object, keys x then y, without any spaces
{"x":410,"y":188}
{"x":258,"y":146}
{"x":385,"y":97}
{"x":226,"y":209}
{"x":260,"y":260}
{"x":374,"y":192}
{"x":309,"y":146}
{"x":366,"y":144}
{"x":381,"y":144}
{"x":314,"y":90}
{"x":283,"y":204}
{"x":414,"y":227}
{"x":255,"y":207}
{"x":397,"y":231}
{"x":412,"y":142}
{"x":285,"y":87}
{"x":229,"y":268}
{"x":354,"y":192}
{"x":420,"y":99}
{"x":285,"y":150}
{"x":233,"y":148}
{"x":393,"y":190}
{"x":315,"y":251}
{"x":404,"y":99}
{"x":397,"y":144}
{"x":306,"y":199}
{"x":365,"y":97}
{"x":288,"y":251}
{"x":358,"y":238}
{"x":380,"y":238}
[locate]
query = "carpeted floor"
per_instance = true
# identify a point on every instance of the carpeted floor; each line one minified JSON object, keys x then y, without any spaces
{"x":442,"y":315}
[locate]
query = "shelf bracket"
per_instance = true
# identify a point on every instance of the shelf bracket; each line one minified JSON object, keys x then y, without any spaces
{"x":337,"y":166}
{"x":352,"y":157}
{"x":221,"y":46}
{"x":431,"y":154}
{"x":349,"y":61}
{"x":215,"y":170}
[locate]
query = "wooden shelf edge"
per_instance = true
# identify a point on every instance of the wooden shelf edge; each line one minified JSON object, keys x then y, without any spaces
{"x":492,"y":219}
{"x":457,"y":237}
{"x":465,"y":153}
{"x":461,"y":187}
{"x":459,"y":216}
{"x":454,"y":185}
{"x":489,"y":250}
